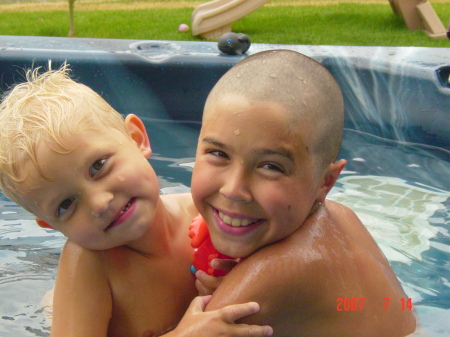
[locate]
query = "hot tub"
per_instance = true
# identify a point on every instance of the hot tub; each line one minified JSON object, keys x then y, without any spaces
{"x":396,"y":141}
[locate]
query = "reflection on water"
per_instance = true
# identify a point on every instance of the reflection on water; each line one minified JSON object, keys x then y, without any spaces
{"x":400,"y":191}
{"x":396,"y":214}
{"x":28,"y":261}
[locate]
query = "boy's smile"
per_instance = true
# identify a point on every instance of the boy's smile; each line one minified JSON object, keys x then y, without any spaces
{"x":123,"y":214}
{"x":235,"y":224}
{"x":101,"y":193}
{"x":253,"y":181}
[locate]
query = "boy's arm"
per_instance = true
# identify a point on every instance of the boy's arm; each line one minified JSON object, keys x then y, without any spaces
{"x":277,"y":283}
{"x":82,"y":301}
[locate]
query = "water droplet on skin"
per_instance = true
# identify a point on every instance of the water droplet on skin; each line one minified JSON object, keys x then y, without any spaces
{"x":273,"y":76}
{"x":120,"y":178}
{"x":237,"y":132}
{"x":238,"y":75}
{"x":95,"y":214}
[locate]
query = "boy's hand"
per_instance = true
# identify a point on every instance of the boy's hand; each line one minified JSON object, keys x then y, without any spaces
{"x":224,"y":264}
{"x":207,"y":284}
{"x":197,"y":323}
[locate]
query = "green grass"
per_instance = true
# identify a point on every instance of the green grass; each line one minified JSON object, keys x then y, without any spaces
{"x":342,"y":24}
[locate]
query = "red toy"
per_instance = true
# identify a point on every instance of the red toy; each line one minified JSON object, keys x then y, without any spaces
{"x":204,"y":251}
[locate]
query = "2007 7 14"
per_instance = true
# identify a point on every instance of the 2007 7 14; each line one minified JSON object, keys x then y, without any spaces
{"x":357,"y":304}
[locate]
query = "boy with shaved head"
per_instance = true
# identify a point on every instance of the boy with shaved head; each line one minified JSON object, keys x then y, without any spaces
{"x":266,"y":160}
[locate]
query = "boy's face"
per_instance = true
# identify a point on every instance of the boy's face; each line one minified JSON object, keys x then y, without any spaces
{"x":100,"y":195}
{"x":254,"y":180}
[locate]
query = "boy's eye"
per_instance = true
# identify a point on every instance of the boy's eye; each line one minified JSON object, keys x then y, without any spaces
{"x":218,"y":153}
{"x":64,"y":206}
{"x":97,"y":166}
{"x":272,"y":167}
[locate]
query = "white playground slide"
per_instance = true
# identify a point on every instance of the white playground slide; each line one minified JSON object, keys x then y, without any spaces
{"x":212,"y":19}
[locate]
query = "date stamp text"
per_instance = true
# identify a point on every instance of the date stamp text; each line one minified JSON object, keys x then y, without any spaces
{"x":357,"y":304}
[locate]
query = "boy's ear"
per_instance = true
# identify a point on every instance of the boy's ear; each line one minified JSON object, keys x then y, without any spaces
{"x":42,"y":223}
{"x":332,"y":173}
{"x":138,"y":133}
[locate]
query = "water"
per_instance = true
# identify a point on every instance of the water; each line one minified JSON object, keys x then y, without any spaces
{"x":400,"y":191}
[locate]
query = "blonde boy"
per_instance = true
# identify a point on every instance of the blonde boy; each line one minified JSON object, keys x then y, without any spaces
{"x":266,"y":160}
{"x":70,"y":158}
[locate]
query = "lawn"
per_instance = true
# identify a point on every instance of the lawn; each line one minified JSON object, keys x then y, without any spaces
{"x":319,"y":22}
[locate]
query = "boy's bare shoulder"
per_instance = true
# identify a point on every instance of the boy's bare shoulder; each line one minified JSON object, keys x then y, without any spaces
{"x":95,"y":262}
{"x":324,"y":243}
{"x":181,"y":206}
{"x":299,"y":280}
{"x":294,"y":269}
{"x":72,"y":252}
{"x":183,"y":199}
{"x":75,"y":258}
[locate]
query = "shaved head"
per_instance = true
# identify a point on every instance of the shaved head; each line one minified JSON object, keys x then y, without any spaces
{"x":307,"y":91}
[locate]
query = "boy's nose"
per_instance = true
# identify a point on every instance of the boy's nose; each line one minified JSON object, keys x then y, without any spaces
{"x":99,"y":202}
{"x":236,"y":186}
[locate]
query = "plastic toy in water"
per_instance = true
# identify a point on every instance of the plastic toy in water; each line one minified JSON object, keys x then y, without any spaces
{"x":234,"y":43}
{"x":204,"y":251}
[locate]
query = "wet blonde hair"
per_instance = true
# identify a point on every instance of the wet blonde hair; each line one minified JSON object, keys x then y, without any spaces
{"x":47,"y":107}
{"x":305,"y":88}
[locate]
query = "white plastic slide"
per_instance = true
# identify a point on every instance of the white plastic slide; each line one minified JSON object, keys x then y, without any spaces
{"x":212,"y":19}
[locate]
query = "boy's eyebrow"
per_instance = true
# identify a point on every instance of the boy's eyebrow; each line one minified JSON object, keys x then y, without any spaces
{"x":213,"y":141}
{"x":280,"y":151}
{"x":277,"y":151}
